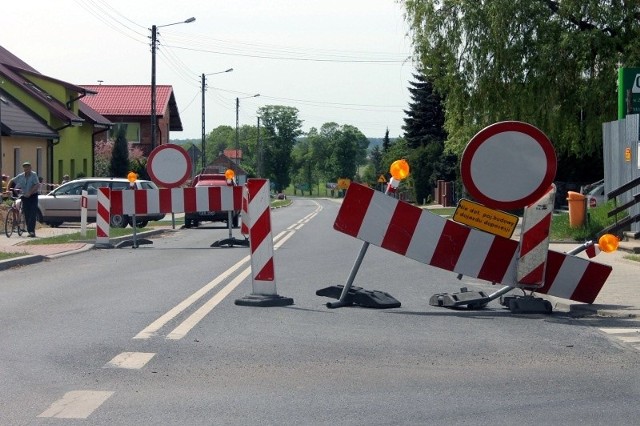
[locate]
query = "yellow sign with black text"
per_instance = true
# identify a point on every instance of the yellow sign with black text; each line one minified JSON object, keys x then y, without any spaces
{"x":485,"y":219}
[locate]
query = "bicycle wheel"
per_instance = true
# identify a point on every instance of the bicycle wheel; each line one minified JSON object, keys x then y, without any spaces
{"x":8,"y":224}
{"x":22,"y":223}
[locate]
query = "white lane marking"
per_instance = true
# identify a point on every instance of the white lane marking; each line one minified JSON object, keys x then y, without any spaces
{"x":183,"y":328}
{"x":180,"y":331}
{"x":130,"y":360}
{"x":626,"y":335}
{"x":610,"y":330}
{"x":153,"y":328}
{"x":77,"y":404}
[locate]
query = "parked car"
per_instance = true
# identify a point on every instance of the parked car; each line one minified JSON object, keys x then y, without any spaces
{"x":193,"y":219}
{"x":596,"y":197}
{"x":63,"y":203}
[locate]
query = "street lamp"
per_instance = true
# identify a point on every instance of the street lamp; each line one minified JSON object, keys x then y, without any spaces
{"x":154,"y":34}
{"x":237,"y":126}
{"x":203,"y":116}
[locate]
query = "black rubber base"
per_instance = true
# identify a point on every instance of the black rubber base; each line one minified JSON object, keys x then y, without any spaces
{"x":264,"y":300}
{"x":130,"y":243}
{"x":359,"y":296}
{"x":230,"y":242}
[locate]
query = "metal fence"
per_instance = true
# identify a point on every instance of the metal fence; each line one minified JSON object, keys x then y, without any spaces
{"x":621,"y":153}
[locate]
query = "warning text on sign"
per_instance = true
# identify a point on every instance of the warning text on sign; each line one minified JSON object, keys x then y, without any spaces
{"x":485,"y":219}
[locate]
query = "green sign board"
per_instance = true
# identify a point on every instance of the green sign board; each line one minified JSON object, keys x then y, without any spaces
{"x":628,"y":92}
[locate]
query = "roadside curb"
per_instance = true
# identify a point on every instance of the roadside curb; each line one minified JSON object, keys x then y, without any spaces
{"x":31,"y":259}
{"x":584,"y":309}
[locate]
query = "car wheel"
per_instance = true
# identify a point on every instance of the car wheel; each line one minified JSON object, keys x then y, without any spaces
{"x":140,"y":223}
{"x":118,"y":221}
{"x":235,"y":221}
{"x":196,"y":223}
{"x":53,"y":224}
{"x":187,"y":223}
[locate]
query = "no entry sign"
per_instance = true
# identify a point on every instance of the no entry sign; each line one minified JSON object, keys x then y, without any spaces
{"x":169,"y":166}
{"x":508,"y":165}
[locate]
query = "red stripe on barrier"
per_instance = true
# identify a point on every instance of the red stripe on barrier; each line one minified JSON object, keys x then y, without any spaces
{"x":116,"y":202}
{"x":267,"y":273}
{"x":591,"y":283}
{"x":533,"y":237}
{"x":450,"y":245}
{"x":165,"y":201}
{"x":353,"y":209}
{"x":554,"y":263}
{"x":260,"y":229}
{"x":215,"y":198}
{"x":498,"y":259}
{"x":140,"y":198}
{"x":237,"y":197}
{"x":401,"y":228}
{"x":190,"y":205}
{"x":534,"y":277}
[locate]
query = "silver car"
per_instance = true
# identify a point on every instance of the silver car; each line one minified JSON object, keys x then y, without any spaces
{"x":63,"y":203}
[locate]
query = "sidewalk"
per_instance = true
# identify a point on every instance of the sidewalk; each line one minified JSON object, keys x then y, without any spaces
{"x":620,"y":296}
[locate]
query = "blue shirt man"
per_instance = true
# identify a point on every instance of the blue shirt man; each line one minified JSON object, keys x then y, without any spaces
{"x":29,"y":183}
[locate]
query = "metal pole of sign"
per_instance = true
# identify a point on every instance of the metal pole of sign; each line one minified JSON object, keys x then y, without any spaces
{"x":133,"y":224}
{"x":229,"y":224}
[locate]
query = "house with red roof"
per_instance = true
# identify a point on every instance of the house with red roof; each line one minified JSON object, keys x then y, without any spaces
{"x":130,"y":106}
{"x":44,"y":123}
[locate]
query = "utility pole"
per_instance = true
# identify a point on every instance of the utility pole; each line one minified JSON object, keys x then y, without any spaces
{"x":259,"y":151}
{"x":154,"y":32}
{"x":202,"y":141}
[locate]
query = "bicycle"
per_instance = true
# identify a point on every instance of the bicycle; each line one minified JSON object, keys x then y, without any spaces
{"x":15,"y":220}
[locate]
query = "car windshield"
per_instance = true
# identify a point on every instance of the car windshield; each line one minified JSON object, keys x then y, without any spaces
{"x":598,"y":190}
{"x":72,"y":188}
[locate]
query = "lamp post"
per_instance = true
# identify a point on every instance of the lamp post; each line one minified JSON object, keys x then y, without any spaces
{"x":237,"y":124}
{"x":154,"y":34}
{"x":203,"y":116}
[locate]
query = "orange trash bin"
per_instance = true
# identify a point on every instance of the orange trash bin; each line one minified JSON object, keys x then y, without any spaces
{"x":577,"y":209}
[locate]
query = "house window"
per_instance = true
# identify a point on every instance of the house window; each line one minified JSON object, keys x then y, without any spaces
{"x":132,"y":131}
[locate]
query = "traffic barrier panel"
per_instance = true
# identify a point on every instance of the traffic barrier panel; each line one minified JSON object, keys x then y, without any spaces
{"x":428,"y":238}
{"x":164,"y":200}
{"x":244,"y":217}
{"x":261,"y":244}
{"x":534,"y":241}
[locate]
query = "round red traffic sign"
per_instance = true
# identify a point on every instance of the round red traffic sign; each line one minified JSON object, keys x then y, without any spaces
{"x":169,"y":166}
{"x":508,"y":165}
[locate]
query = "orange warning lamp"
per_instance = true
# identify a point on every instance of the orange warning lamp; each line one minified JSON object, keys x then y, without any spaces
{"x":399,"y":169}
{"x":229,"y":174}
{"x":132,"y":177}
{"x":608,"y":243}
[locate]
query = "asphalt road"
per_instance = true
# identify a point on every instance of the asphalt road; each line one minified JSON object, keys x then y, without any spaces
{"x":152,"y":336}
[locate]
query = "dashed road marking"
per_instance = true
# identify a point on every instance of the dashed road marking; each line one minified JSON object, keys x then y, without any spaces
{"x":626,"y":335}
{"x":77,"y":404}
{"x":130,"y":360}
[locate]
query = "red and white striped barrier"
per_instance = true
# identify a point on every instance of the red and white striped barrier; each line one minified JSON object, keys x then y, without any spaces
{"x":534,"y":241}
{"x":244,"y":217}
{"x":421,"y":235}
{"x":261,"y":243}
{"x":164,"y":200}
{"x":103,"y":216}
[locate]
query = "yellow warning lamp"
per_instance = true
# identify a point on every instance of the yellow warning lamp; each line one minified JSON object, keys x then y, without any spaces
{"x":229,"y":174}
{"x":132,"y":177}
{"x":399,"y":169}
{"x":608,"y":243}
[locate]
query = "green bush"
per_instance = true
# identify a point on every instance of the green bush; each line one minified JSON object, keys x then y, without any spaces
{"x":595,"y":222}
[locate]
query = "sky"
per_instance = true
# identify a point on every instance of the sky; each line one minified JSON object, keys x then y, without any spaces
{"x":342,"y":61}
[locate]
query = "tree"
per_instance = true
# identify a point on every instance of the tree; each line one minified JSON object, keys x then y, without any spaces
{"x":425,"y":136}
{"x":550,"y":63}
{"x":119,"y":165}
{"x":386,"y":142}
{"x":282,"y":127}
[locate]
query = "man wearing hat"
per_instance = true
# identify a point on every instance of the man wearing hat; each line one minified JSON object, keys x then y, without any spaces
{"x":28,"y":182}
